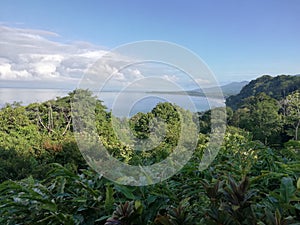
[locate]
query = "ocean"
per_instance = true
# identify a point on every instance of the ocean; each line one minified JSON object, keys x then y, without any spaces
{"x":121,"y":104}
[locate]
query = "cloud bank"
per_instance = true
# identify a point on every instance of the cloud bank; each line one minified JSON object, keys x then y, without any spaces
{"x":34,"y":57}
{"x":27,"y":54}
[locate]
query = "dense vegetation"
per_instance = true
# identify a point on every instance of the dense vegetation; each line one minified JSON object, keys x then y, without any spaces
{"x":253,"y":180}
{"x":276,"y":87}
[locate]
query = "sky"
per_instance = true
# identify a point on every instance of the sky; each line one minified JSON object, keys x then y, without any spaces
{"x":56,"y":41}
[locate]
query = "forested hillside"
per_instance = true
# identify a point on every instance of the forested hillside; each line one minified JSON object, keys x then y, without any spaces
{"x":276,"y":87}
{"x":253,"y":180}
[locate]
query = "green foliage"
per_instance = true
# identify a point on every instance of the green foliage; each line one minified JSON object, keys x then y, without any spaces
{"x":175,"y":215}
{"x":63,"y":198}
{"x":259,"y":115}
{"x":158,"y":130}
{"x":45,"y":180}
{"x":140,"y":124}
{"x":291,"y":111}
{"x":15,"y":166}
{"x":205,"y":119}
{"x":126,"y":213}
{"x":275,"y":87}
{"x":17,"y":131}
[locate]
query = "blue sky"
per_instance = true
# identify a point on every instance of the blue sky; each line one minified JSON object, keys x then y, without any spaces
{"x":238,"y":40}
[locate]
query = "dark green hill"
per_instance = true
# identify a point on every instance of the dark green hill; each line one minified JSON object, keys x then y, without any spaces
{"x":276,"y":87}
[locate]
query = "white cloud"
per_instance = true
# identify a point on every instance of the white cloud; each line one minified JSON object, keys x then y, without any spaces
{"x":27,"y":54}
{"x":202,"y":81}
{"x":137,"y":74}
{"x":8,"y":73}
{"x":91,"y":54}
{"x":171,"y":78}
{"x":40,"y":56}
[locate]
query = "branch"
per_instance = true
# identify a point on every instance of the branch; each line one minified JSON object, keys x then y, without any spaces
{"x":67,"y":127}
{"x":41,"y":122}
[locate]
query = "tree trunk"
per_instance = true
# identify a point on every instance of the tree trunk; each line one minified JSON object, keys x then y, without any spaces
{"x":296,"y":130}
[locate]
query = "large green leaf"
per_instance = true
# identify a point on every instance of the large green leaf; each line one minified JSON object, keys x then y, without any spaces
{"x":287,"y":189}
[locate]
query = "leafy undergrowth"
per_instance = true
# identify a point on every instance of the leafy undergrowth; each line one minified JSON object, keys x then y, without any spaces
{"x":248,"y":183}
{"x":45,"y":180}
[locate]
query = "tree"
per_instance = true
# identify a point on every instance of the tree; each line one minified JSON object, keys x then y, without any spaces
{"x":16,"y":130}
{"x":291,"y":106}
{"x":260,"y":116}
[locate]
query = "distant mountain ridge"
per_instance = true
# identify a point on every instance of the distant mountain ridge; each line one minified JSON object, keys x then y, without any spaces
{"x":227,"y":89}
{"x":232,"y":88}
{"x":276,"y":87}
